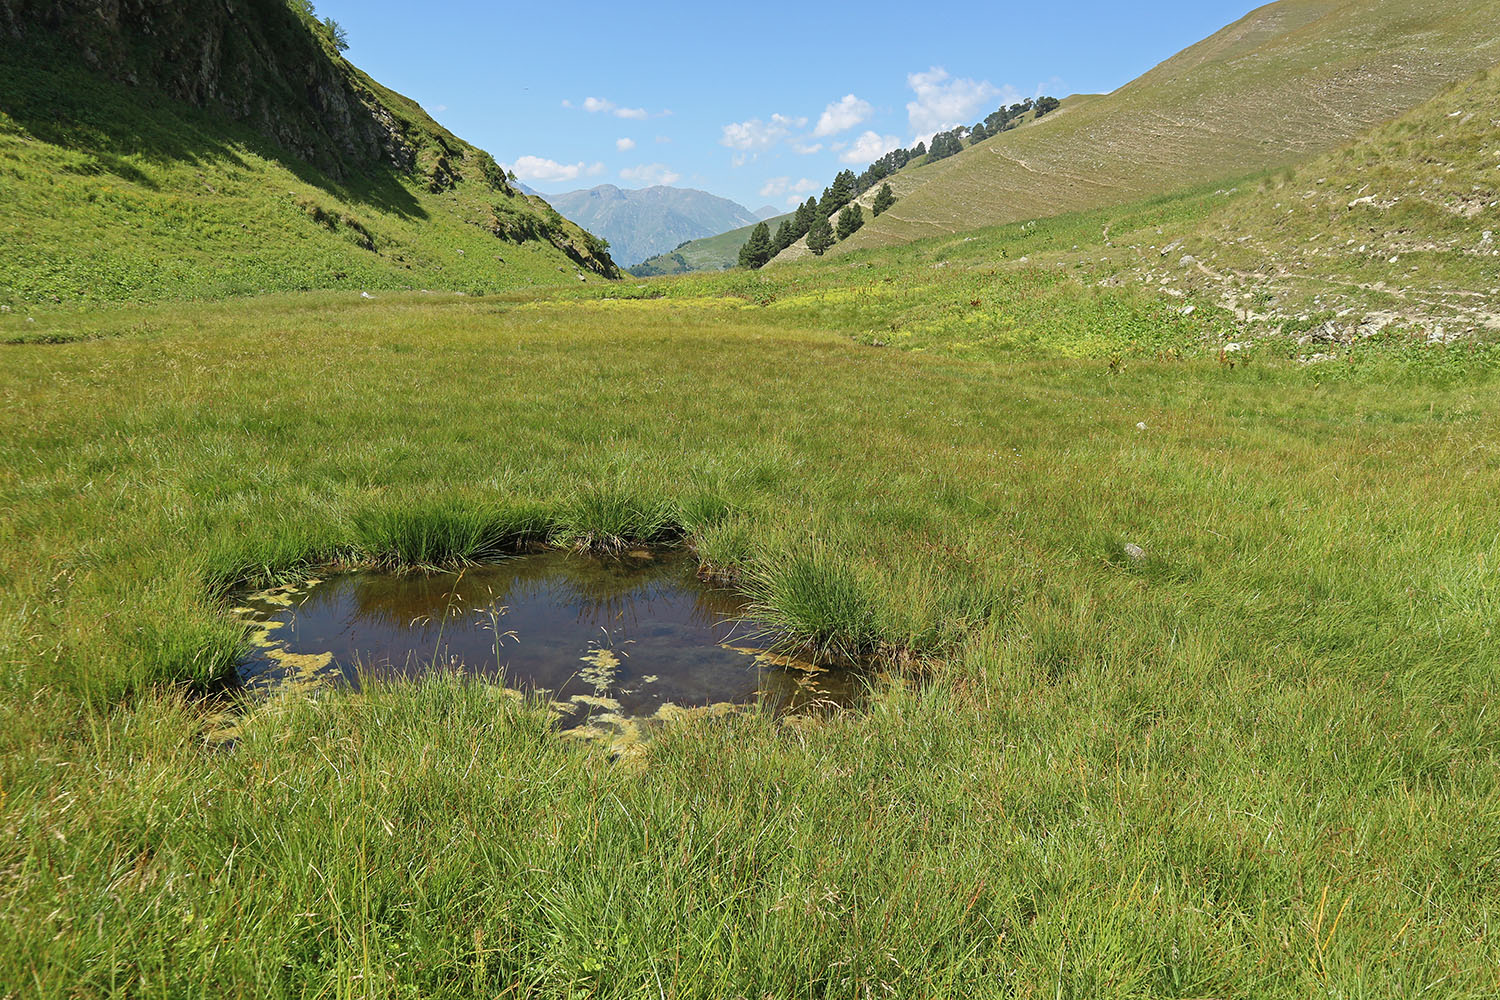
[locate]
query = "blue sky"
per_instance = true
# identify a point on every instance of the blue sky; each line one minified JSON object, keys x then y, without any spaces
{"x":759,"y":102}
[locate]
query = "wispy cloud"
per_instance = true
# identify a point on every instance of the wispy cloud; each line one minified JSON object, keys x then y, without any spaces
{"x":755,"y":135}
{"x":943,"y":101}
{"x":624,"y":145}
{"x":869,"y":147}
{"x":602,"y":106}
{"x":842,"y":115}
{"x":778,"y":186}
{"x":544,"y":171}
{"x":650,"y":174}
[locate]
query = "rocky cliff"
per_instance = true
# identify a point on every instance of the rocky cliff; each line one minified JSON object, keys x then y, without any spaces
{"x":256,"y":61}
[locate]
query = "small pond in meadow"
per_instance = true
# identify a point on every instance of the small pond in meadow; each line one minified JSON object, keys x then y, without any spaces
{"x":612,"y":642}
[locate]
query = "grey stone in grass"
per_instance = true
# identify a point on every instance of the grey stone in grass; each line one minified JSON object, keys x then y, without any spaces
{"x":1134,"y":551}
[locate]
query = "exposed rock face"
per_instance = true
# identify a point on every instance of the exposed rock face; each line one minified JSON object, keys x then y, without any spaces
{"x":253,"y":60}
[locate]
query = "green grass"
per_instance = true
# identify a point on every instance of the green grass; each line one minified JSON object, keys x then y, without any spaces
{"x":1261,"y":761}
{"x":106,"y":196}
{"x":722,"y":252}
{"x":1184,"y":657}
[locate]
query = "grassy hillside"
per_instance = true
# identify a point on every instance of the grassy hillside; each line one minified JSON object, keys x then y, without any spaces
{"x":115,"y":191}
{"x":642,"y":224}
{"x":1400,"y":228}
{"x":1290,"y":80}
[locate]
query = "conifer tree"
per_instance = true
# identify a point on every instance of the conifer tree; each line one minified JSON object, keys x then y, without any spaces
{"x":839,"y":194}
{"x":820,"y":236}
{"x":884,"y":199}
{"x":850,"y":219}
{"x":784,"y":236}
{"x":803,"y":220}
{"x":757,"y":250}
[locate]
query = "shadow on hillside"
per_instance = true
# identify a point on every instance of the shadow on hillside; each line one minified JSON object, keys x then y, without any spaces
{"x":117,"y":129}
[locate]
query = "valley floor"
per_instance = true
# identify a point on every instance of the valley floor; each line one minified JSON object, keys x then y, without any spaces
{"x":1258,"y":761}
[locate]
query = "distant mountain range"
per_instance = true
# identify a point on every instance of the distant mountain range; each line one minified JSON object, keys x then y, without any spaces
{"x":655,"y":220}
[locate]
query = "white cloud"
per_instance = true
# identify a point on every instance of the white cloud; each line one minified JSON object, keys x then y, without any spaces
{"x":869,"y":147}
{"x":943,"y":102}
{"x":775,"y":186}
{"x":662,"y":140}
{"x":441,"y":108}
{"x":805,"y":149}
{"x":843,"y":115}
{"x":756,"y":135}
{"x":651,"y":174}
{"x":544,"y":171}
{"x":624,"y":145}
{"x":778,"y":186}
{"x":598,"y":105}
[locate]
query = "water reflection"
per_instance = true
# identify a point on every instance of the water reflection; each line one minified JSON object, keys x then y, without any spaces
{"x":612,"y":641}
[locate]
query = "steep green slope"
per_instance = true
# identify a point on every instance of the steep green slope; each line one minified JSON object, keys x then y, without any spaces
{"x":1290,"y":80}
{"x":641,"y":224}
{"x":219,"y":150}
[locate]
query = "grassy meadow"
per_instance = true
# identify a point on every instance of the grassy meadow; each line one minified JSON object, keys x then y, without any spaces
{"x":1259,"y":760}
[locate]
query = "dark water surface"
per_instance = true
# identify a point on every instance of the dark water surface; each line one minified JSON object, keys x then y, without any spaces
{"x":609,"y":639}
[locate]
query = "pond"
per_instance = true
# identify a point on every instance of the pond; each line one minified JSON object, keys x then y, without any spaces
{"x":611,"y":642}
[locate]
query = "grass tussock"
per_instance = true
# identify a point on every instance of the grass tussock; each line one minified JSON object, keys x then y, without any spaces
{"x":445,"y":533}
{"x":610,"y":517}
{"x":817,"y":598}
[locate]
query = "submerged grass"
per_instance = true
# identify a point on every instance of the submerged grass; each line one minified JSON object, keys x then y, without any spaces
{"x":1257,"y":759}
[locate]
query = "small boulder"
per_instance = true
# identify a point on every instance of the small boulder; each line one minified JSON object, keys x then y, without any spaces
{"x":1134,"y":551}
